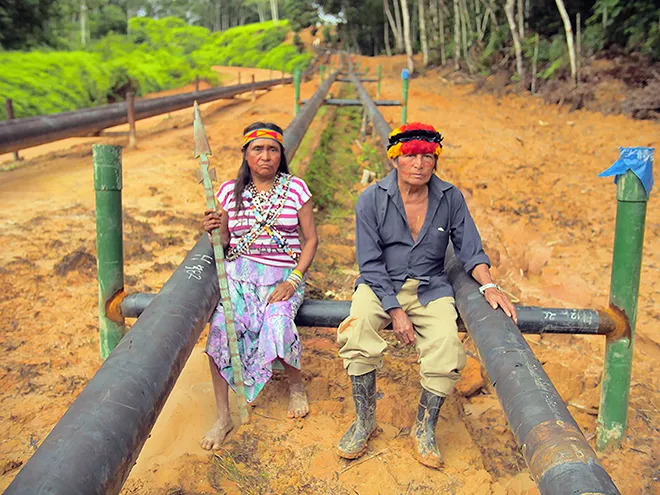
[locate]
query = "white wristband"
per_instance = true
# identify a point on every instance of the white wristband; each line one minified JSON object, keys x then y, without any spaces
{"x":491,"y":285}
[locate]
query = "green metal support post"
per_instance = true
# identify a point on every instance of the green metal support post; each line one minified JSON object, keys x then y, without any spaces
{"x":380,"y":69}
{"x":404,"y":101}
{"x":321,"y":72}
{"x":296,"y":85}
{"x":624,"y":289}
{"x":109,"y":242}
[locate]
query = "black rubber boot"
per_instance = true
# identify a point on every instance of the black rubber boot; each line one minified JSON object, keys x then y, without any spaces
{"x":423,"y":432}
{"x":354,"y":443}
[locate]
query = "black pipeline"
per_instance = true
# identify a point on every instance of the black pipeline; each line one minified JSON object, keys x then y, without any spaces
{"x":294,"y":133}
{"x":559,"y":457}
{"x":31,"y":131}
{"x":94,"y":446}
{"x":380,"y":124}
{"x":531,"y":319}
{"x":18,"y":134}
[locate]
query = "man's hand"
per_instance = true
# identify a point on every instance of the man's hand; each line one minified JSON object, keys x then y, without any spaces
{"x":498,"y":299}
{"x":403,"y":327}
{"x":281,"y":293}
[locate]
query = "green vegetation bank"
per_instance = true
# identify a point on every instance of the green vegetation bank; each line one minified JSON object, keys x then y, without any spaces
{"x":156,"y":56}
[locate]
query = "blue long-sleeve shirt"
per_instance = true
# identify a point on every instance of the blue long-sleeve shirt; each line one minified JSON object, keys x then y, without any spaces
{"x":387,"y":255}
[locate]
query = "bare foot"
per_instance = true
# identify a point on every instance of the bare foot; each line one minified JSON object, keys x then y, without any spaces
{"x":216,"y":435}
{"x":298,"y":407}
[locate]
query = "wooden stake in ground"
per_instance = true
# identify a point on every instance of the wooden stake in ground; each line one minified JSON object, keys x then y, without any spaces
{"x":202,"y":151}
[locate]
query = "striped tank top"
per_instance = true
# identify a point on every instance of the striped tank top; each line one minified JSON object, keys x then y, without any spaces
{"x":265,"y":250}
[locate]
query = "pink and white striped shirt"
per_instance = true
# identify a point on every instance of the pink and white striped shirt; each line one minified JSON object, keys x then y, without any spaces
{"x":265,"y":250}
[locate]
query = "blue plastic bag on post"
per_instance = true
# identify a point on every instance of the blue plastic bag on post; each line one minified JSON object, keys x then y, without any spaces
{"x":637,"y":159}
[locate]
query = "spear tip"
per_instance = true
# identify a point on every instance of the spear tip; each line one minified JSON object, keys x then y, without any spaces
{"x":201,"y":141}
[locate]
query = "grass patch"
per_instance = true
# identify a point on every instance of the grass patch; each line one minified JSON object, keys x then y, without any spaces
{"x":305,"y":148}
{"x":374,"y":159}
{"x":333,"y":168}
{"x":225,"y":466}
{"x":12,"y":166}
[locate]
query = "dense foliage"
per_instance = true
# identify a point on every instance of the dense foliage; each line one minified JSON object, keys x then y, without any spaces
{"x":108,"y":46}
{"x":255,"y":45}
{"x":158,"y":55}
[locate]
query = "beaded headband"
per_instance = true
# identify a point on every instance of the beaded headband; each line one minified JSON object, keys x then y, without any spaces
{"x":412,"y":139}
{"x":262,"y":134}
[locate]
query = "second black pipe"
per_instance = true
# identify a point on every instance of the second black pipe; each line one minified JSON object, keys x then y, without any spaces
{"x":531,"y":319}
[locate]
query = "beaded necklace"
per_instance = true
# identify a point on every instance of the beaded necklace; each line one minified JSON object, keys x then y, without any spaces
{"x":267,"y":207}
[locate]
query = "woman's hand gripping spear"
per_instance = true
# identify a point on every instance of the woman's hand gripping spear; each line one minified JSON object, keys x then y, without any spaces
{"x":202,"y":151}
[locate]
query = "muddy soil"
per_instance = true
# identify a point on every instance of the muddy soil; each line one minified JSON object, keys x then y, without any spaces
{"x":528,"y":171}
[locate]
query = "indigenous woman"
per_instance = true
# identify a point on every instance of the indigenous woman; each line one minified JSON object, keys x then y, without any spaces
{"x":261,"y":213}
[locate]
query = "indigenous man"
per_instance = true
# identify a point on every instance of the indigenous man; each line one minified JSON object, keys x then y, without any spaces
{"x":403,"y":226}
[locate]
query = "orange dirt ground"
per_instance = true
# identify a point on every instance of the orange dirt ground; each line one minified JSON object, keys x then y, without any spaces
{"x":528,"y":172}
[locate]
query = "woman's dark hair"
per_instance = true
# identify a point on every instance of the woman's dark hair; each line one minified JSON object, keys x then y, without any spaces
{"x":244,"y":175}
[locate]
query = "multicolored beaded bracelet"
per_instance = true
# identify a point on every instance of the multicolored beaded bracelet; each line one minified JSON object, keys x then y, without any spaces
{"x":295,"y":279}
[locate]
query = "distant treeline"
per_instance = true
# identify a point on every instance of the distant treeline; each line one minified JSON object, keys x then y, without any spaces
{"x":483,"y":35}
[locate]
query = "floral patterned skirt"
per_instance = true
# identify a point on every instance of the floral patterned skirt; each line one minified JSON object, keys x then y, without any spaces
{"x":265,"y":331}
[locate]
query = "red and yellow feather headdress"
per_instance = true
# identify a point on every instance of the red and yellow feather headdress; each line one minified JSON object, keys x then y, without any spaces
{"x":414,"y":138}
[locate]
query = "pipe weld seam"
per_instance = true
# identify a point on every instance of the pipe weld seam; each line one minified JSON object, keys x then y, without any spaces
{"x":555,"y":442}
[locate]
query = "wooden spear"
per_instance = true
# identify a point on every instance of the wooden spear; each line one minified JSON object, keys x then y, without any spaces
{"x":202,"y":151}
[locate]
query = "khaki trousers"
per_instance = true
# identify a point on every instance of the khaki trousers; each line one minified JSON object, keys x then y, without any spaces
{"x":440,"y":352}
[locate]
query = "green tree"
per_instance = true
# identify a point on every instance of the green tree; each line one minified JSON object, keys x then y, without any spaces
{"x":28,"y":23}
{"x":362,"y":26}
{"x":634,"y":25}
{"x":108,"y":18}
{"x":301,"y":13}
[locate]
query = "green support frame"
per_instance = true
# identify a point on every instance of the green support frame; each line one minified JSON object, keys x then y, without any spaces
{"x":624,"y":290}
{"x":109,"y":240}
